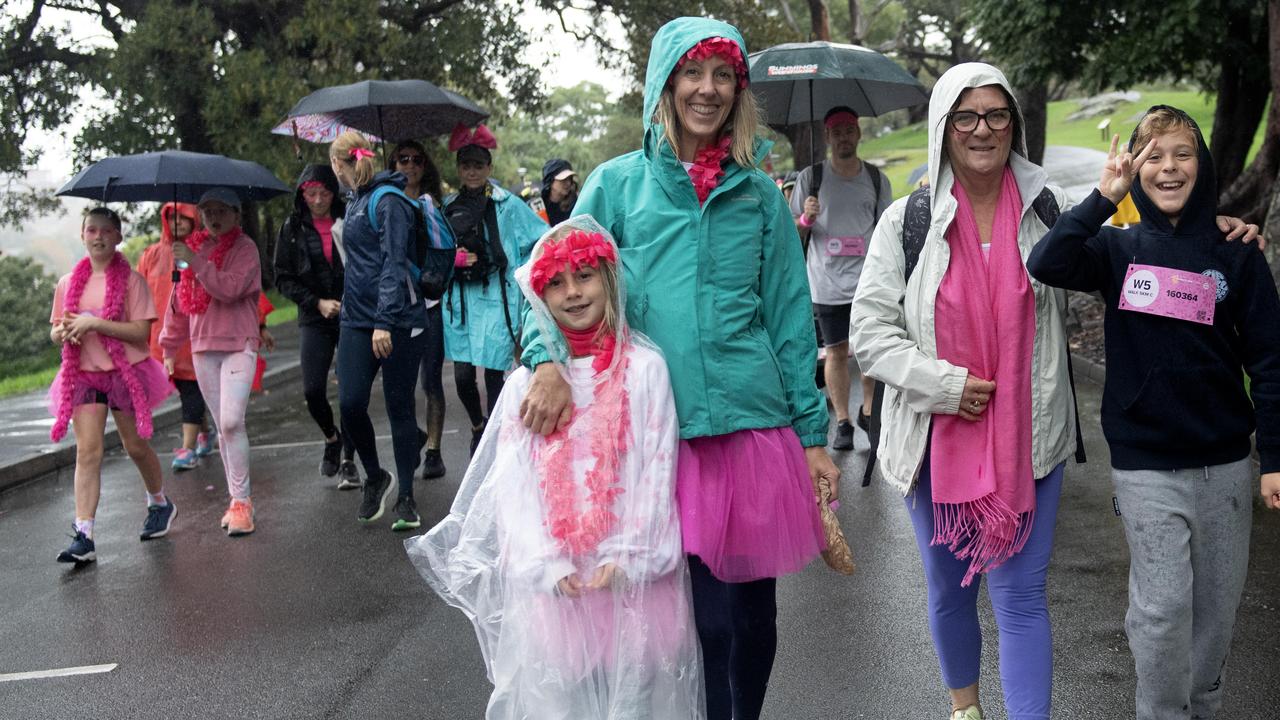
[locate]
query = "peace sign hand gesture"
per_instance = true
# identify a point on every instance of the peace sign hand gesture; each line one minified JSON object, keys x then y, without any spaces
{"x":1120,"y":170}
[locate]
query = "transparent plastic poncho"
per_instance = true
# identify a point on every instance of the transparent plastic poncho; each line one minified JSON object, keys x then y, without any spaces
{"x":533,"y":510}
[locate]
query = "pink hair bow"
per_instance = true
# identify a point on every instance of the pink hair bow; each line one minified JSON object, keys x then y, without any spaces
{"x":359,"y":152}
{"x":463,"y":137}
{"x":578,"y":248}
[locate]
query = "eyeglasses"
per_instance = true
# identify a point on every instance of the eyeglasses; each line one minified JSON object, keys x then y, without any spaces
{"x":418,"y":160}
{"x":967,"y":121}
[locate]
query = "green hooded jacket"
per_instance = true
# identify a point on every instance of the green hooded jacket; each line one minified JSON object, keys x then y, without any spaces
{"x":720,"y":288}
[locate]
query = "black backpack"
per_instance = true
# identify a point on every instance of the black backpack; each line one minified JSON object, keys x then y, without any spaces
{"x":477,"y":232}
{"x":915,"y":230}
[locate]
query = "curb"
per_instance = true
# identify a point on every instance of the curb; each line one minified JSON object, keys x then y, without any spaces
{"x":1086,"y":369}
{"x":37,"y":466}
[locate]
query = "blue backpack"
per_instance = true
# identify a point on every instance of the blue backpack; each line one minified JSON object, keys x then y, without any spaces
{"x":433,"y":248}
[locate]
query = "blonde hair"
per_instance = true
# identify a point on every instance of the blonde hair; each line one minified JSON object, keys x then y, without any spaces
{"x":608,"y":278}
{"x":743,"y":122}
{"x":1161,"y":121}
{"x":340,"y":149}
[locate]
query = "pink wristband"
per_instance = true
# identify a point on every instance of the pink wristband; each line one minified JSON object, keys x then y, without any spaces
{"x":460,"y":259}
{"x":805,"y":221}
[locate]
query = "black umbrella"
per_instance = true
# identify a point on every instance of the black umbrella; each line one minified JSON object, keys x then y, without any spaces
{"x":171,"y":175}
{"x":393,"y":109}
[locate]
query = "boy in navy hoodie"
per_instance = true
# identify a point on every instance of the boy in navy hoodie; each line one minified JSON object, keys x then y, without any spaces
{"x":1187,"y":314}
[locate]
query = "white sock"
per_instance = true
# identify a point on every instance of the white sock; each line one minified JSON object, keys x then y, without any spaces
{"x":157,"y":499}
{"x":85,"y":526}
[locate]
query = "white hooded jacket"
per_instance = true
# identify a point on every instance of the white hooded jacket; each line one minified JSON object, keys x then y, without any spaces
{"x":892,"y":329}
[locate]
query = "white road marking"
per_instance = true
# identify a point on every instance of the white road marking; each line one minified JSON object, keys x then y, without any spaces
{"x":59,"y":672}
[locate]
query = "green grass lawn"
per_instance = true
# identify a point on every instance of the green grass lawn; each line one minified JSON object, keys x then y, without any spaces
{"x":37,"y":373}
{"x":904,"y":149}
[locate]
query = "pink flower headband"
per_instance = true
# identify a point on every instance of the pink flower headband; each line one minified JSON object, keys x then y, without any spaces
{"x":463,"y":137}
{"x":723,"y":48}
{"x":578,"y":248}
{"x":359,"y":152}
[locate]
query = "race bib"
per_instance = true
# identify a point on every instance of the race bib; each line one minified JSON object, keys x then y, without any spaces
{"x":846,"y":246}
{"x":1177,"y":294}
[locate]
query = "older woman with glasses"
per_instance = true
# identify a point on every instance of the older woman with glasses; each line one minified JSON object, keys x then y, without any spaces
{"x":977,"y":420}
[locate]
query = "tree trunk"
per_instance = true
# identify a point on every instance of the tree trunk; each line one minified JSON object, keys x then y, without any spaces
{"x":819,"y":20}
{"x":1250,"y":196}
{"x":800,"y":136}
{"x":1034,"y":99}
{"x":1242,"y":94}
{"x":856,"y":27}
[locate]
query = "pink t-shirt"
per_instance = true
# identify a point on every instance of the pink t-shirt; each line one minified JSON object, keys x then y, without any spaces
{"x":137,"y":306}
{"x":324,"y":226}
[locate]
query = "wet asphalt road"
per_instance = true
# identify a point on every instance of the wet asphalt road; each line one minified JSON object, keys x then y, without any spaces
{"x":314,"y":616}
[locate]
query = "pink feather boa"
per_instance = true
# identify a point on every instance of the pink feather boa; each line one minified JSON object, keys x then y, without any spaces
{"x":193,"y":299}
{"x":118,"y":272}
{"x":708,"y":168}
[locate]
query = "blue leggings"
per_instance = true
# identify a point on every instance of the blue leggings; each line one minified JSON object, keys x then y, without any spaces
{"x":1017,"y":591}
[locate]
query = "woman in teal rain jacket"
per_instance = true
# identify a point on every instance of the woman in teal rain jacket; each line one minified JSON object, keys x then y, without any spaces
{"x":483,"y":305}
{"x":716,"y":278}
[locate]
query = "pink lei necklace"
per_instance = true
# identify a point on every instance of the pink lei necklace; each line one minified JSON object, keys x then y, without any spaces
{"x":73,"y":380}
{"x":708,"y":168}
{"x":605,"y":426}
{"x":193,"y":299}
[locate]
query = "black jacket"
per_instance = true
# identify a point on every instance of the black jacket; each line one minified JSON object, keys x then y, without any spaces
{"x":1175,"y":395}
{"x":555,"y":215}
{"x":302,"y":273}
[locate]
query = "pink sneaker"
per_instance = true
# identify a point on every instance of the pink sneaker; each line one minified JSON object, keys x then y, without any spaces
{"x":238,"y":520}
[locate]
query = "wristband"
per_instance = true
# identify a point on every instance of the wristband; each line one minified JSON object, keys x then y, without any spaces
{"x":805,"y":221}
{"x":460,"y":258}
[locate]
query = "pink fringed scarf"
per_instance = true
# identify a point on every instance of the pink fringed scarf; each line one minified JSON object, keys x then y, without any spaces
{"x":590,"y":342}
{"x":601,"y":429}
{"x":73,"y":380}
{"x":193,"y":299}
{"x":983,"y":492}
{"x":708,"y":168}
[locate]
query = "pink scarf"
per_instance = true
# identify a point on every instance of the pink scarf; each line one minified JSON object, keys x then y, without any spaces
{"x":983,"y":491}
{"x":587,"y":342}
{"x":708,"y":168}
{"x":73,"y":380}
{"x":193,"y":299}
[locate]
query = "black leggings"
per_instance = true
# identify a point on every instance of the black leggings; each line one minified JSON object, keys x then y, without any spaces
{"x":432,"y":377}
{"x":464,"y":377}
{"x":318,"y":345}
{"x":357,"y":368}
{"x":192,"y":402}
{"x":739,"y":636}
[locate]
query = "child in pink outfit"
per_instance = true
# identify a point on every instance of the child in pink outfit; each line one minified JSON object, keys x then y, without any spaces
{"x":217,"y":310}
{"x":102,"y":315}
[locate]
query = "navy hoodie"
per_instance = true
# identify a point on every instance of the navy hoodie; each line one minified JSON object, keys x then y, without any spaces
{"x":378,"y":292}
{"x":1174,"y":395}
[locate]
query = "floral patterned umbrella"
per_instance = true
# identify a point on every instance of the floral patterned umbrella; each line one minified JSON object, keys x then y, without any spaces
{"x":316,"y":128}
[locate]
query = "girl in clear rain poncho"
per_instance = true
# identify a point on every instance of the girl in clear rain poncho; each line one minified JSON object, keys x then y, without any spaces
{"x":564,"y":550}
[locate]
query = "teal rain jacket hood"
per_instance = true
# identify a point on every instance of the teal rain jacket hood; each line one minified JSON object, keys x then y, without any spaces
{"x":719,"y":287}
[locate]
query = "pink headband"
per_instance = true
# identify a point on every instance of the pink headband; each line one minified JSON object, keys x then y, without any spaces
{"x":359,"y":152}
{"x":840,"y":118}
{"x":578,"y":248}
{"x":722,"y":48}
{"x":312,"y":184}
{"x":463,"y":137}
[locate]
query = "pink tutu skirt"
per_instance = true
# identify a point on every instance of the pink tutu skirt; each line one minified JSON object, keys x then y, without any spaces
{"x":155,"y":381}
{"x":747,"y":508}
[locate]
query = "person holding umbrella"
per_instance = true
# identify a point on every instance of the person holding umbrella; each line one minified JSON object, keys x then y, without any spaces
{"x":216,"y":310}
{"x":177,"y":222}
{"x":309,"y":271}
{"x":422,"y":181}
{"x":383,"y":320}
{"x":715,"y":276}
{"x":495,"y":232}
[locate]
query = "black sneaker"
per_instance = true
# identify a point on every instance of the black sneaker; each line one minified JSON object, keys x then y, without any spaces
{"x":406,"y":512}
{"x":159,"y":518}
{"x":844,"y":436}
{"x":374,"y":500}
{"x":432,"y":465}
{"x":348,"y":475}
{"x":81,"y":551}
{"x":864,"y":421}
{"x":332,"y":454}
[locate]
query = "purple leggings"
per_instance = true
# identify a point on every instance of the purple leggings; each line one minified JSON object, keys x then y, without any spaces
{"x":1017,"y":591}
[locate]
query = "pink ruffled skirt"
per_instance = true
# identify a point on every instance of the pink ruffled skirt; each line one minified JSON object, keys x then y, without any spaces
{"x":155,"y":382}
{"x":746,"y":504}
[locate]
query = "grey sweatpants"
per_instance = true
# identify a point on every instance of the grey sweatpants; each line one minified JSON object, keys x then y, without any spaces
{"x":1188,"y":533}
